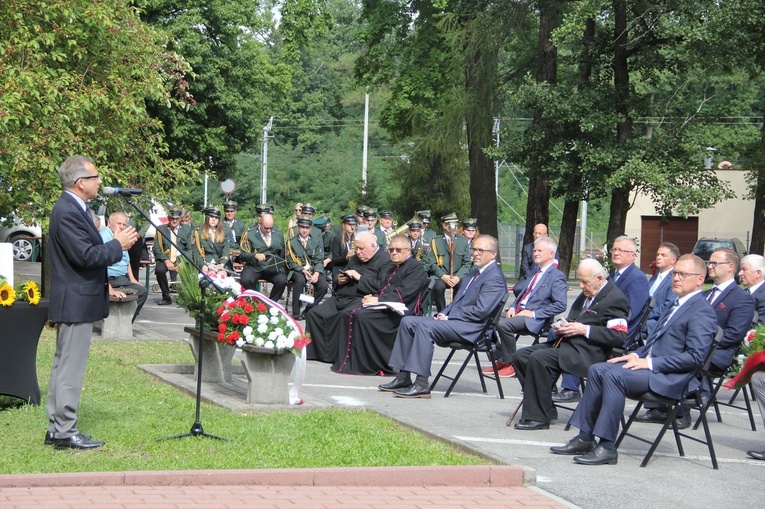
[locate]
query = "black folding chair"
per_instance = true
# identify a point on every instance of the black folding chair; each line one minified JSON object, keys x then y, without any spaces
{"x":693,"y":400}
{"x":484,"y":344}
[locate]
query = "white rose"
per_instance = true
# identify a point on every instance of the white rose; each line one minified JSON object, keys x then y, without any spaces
{"x":269,"y":344}
{"x":274,"y":320}
{"x":262,"y":319}
{"x":273,"y":311}
{"x":259,"y":341}
{"x":239,"y":342}
{"x":272,"y":335}
{"x":262,"y":328}
{"x":247,"y":331}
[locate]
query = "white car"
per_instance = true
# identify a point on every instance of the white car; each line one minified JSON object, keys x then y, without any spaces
{"x":25,"y":238}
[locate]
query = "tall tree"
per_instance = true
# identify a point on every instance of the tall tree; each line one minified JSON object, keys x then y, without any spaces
{"x":74,"y":77}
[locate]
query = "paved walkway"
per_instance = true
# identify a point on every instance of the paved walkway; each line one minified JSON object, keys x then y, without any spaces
{"x":442,"y":487}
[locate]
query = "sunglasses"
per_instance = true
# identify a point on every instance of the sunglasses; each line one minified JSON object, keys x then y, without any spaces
{"x":398,"y":249}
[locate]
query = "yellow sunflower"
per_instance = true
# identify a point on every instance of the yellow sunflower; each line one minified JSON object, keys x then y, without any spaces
{"x":32,"y":293}
{"x":7,"y":294}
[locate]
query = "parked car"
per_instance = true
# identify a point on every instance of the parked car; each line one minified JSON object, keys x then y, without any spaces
{"x":24,"y":238}
{"x":706,"y":245}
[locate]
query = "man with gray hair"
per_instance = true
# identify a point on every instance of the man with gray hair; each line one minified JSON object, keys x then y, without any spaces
{"x":121,"y":278}
{"x":596,"y":323}
{"x":79,"y":295}
{"x":542,"y":297}
{"x":365,"y":274}
{"x":751,"y":273}
{"x":633,"y":283}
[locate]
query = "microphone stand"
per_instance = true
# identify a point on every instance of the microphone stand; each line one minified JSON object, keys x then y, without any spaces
{"x":205,"y":282}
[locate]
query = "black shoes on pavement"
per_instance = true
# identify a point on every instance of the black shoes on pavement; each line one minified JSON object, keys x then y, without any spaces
{"x":566,"y":395}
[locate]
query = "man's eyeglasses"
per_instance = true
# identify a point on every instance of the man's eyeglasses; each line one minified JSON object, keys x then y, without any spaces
{"x":398,"y":249}
{"x":685,"y":275}
{"x":617,"y":250}
{"x":88,"y":177}
{"x":475,"y":250}
{"x":715,"y":264}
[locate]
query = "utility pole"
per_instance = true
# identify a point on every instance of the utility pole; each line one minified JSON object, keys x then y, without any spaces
{"x":264,"y":161}
{"x":366,"y":146}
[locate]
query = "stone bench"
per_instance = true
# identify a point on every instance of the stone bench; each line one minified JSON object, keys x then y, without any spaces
{"x":119,"y":323}
{"x":267,"y":369}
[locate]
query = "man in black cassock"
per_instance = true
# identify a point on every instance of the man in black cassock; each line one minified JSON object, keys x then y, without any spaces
{"x":369,"y":332}
{"x":365,"y":274}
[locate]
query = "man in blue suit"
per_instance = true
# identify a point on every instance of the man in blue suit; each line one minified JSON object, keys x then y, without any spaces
{"x":542,"y":297}
{"x":79,"y":295}
{"x":481,"y":292}
{"x":660,"y":285}
{"x":633,"y":283}
{"x":752,"y":269}
{"x":664,"y":365}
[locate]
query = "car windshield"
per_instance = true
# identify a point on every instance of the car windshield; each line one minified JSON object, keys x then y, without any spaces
{"x":704,"y":248}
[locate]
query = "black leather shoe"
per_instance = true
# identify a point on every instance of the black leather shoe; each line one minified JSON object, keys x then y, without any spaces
{"x":400,"y":382}
{"x":78,"y":441}
{"x":49,"y":437}
{"x":529,"y":425}
{"x":598,"y":456}
{"x":756,"y":455}
{"x":164,"y":302}
{"x":683,"y":422}
{"x":574,"y":446}
{"x":413,"y":391}
{"x":567,"y":395}
{"x":652,"y":415}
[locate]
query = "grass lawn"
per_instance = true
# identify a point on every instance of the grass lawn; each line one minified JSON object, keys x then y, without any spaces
{"x":130,"y":410}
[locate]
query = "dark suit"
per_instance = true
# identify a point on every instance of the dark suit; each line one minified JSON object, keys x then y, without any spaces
{"x":633,"y":283}
{"x":606,"y":316}
{"x":79,"y":297}
{"x":527,"y":261}
{"x":271,"y":269}
{"x":677,"y":349}
{"x":547,"y":299}
{"x":467,"y":314}
{"x":663,"y":297}
{"x":759,"y":304}
{"x":734,"y":308}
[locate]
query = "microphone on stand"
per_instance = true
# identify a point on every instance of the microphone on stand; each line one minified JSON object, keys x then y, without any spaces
{"x":124,"y":191}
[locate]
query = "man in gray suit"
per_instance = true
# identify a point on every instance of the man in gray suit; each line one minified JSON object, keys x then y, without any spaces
{"x":79,"y":295}
{"x":751,"y":272}
{"x":463,"y":319}
{"x":542,"y":297}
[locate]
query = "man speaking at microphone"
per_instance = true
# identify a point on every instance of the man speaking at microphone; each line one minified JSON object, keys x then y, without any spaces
{"x":79,"y":295}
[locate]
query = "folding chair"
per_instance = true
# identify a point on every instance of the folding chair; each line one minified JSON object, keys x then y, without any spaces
{"x":693,"y":400}
{"x":715,"y":379}
{"x":484,"y":344}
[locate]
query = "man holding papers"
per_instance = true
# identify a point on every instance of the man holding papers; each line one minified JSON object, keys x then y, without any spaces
{"x":370,"y":329}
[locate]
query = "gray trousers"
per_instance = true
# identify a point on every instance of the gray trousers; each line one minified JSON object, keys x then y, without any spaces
{"x":507,"y":328}
{"x":758,"y":386}
{"x":66,"y":377}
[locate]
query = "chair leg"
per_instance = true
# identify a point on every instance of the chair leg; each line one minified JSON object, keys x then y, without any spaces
{"x":748,"y":404}
{"x":493,"y":362}
{"x":669,"y":422}
{"x":441,"y":371}
{"x":459,"y":374}
{"x":626,"y":426}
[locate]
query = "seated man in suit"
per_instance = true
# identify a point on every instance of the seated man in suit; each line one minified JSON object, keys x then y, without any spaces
{"x":633,"y":284}
{"x":596,"y":323}
{"x":664,"y":365}
{"x":121,"y":277}
{"x":660,"y":285}
{"x":463,"y":319}
{"x":542,"y":297}
{"x":752,"y":267}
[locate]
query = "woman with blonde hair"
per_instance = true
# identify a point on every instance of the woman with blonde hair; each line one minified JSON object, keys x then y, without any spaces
{"x":211,"y":241}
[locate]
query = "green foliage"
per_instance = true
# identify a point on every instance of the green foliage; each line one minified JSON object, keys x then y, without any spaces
{"x":74,"y":75}
{"x":130,"y":410}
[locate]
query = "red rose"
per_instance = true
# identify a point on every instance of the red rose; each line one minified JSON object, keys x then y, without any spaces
{"x":244,"y":319}
{"x":262,"y":307}
{"x":233,"y":337}
{"x":221,"y":310}
{"x":222,"y":328}
{"x":221,"y":336}
{"x":224,"y":318}
{"x":248,"y":309}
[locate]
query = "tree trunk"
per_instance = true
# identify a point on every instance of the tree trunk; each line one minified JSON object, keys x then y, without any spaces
{"x":479,"y":82}
{"x":757,"y":245}
{"x":620,"y":196}
{"x":550,"y":18}
{"x":568,"y":226}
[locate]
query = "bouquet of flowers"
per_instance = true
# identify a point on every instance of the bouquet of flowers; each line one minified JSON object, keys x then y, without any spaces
{"x":190,"y":295}
{"x":253,"y":319}
{"x":24,"y":292}
{"x":751,"y":359}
